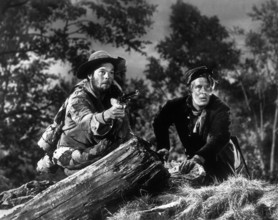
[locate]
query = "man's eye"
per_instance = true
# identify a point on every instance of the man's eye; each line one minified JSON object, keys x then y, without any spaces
{"x":207,"y":87}
{"x":198,"y":87}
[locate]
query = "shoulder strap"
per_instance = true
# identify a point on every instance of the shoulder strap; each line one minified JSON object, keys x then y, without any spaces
{"x":235,"y":141}
{"x":60,"y":116}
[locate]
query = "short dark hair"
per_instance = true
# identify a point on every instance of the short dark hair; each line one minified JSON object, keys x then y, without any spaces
{"x":198,"y":72}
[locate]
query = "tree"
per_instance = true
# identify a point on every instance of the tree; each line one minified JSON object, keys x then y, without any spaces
{"x":35,"y":34}
{"x":267,"y":35}
{"x":195,"y":40}
{"x":257,"y":79}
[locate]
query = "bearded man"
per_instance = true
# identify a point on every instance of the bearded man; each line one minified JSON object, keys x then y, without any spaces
{"x":94,"y":122}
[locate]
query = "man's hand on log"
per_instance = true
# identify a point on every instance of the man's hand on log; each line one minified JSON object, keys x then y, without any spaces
{"x":163,"y":154}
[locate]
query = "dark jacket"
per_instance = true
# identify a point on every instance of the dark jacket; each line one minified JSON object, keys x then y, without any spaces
{"x":212,"y":137}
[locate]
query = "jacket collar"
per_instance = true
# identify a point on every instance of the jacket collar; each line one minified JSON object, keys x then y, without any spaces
{"x":86,"y":85}
{"x":113,"y":91}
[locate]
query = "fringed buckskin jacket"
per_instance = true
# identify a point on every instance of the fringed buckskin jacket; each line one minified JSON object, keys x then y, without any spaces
{"x":84,"y":126}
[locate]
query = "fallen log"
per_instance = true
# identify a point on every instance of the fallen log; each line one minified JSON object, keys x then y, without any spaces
{"x":26,"y":192}
{"x":83,"y":195}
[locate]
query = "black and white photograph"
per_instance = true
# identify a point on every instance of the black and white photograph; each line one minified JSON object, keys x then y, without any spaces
{"x":138,"y":109}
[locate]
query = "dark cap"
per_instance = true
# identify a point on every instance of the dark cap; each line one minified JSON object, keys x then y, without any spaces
{"x":198,"y":72}
{"x":95,"y":60}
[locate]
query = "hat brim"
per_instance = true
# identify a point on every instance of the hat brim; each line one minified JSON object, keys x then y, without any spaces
{"x":85,"y":68}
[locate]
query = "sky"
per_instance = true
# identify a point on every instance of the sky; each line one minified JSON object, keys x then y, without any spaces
{"x":231,"y":13}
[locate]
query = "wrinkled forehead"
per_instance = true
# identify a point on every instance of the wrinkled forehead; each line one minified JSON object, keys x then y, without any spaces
{"x":201,"y":81}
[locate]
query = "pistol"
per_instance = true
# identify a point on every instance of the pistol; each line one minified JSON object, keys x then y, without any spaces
{"x":126,"y":97}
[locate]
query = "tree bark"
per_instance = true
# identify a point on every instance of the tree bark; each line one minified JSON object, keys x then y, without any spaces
{"x":83,"y":195}
{"x":273,"y":145}
{"x":22,"y":194}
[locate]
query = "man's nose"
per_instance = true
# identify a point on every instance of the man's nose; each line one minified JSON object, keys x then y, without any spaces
{"x":203,"y":90}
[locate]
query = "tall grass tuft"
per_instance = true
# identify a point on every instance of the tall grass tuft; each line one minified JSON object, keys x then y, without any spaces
{"x":237,"y":198}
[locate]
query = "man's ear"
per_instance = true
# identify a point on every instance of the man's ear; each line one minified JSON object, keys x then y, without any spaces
{"x":190,"y":88}
{"x":89,"y":76}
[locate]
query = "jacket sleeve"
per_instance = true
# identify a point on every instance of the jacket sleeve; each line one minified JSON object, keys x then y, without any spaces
{"x":161,"y":124}
{"x":218,"y":134}
{"x":85,"y":115}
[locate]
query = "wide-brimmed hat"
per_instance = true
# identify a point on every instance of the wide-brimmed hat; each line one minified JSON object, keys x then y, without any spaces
{"x":95,"y":60}
{"x":198,"y":72}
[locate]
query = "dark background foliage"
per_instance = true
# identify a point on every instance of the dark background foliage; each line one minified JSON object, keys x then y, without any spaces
{"x":37,"y":34}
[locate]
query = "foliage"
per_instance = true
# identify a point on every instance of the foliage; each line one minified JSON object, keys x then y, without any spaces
{"x":252,"y":90}
{"x":267,"y":59}
{"x":35,"y":35}
{"x":195,"y":40}
{"x":140,"y":108}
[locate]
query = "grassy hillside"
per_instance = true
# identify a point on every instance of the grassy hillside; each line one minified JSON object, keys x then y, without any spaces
{"x":235,"y":199}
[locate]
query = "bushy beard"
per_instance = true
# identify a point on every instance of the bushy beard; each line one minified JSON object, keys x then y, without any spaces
{"x":100,"y":86}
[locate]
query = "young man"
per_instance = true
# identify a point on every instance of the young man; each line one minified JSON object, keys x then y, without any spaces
{"x":202,"y":122}
{"x":94,"y":120}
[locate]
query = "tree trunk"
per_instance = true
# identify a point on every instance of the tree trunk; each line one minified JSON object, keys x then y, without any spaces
{"x":83,"y":195}
{"x":274,"y":129}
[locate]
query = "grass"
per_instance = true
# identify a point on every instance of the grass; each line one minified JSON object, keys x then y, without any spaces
{"x":235,"y":199}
